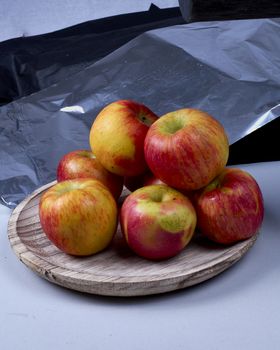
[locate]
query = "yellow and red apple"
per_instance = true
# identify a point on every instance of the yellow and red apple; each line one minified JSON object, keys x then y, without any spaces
{"x":164,"y":161}
{"x":230,"y":208}
{"x":117,"y":137}
{"x":79,"y":216}
{"x":186,"y":149}
{"x":157,"y":221}
{"x":83,"y":164}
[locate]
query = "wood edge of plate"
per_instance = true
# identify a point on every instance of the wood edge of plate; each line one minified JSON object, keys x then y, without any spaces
{"x":129,"y":287}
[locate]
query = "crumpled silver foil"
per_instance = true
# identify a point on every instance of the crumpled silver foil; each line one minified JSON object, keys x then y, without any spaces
{"x":230,"y":69}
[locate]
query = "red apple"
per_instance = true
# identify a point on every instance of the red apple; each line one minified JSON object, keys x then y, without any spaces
{"x":117,"y":137}
{"x":79,"y":216}
{"x":230,"y":208}
{"x":83,"y":164}
{"x":157,"y":221}
{"x":150,"y":179}
{"x":132,"y":183}
{"x":186,"y":149}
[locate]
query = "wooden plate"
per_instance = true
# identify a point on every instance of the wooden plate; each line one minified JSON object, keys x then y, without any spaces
{"x":116,"y":271}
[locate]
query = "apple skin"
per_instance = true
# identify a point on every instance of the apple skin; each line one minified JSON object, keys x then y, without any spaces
{"x":186,"y":149}
{"x":132,"y":183}
{"x":150,"y":179}
{"x":117,"y":137}
{"x":83,"y":164}
{"x":157,"y":222}
{"x":230,"y":208}
{"x":79,"y":216}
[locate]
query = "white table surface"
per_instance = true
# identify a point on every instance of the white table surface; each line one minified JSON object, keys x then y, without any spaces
{"x":239,"y":309}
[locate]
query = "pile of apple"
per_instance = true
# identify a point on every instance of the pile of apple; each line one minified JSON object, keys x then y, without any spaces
{"x":175,"y":168}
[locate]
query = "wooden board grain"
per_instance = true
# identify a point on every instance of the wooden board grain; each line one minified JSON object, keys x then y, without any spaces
{"x":116,"y":271}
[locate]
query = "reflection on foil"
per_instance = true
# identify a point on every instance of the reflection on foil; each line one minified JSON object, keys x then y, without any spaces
{"x":7,"y":203}
{"x":73,"y":109}
{"x":265,"y":118}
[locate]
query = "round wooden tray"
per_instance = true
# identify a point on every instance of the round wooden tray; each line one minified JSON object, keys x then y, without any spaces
{"x":116,"y":271}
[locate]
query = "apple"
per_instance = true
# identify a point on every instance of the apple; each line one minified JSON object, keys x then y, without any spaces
{"x":117,"y":137}
{"x":132,"y":183}
{"x":230,"y":208}
{"x":79,"y":216}
{"x":150,"y":179}
{"x":157,"y":221}
{"x":186,"y":149}
{"x":83,"y":164}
